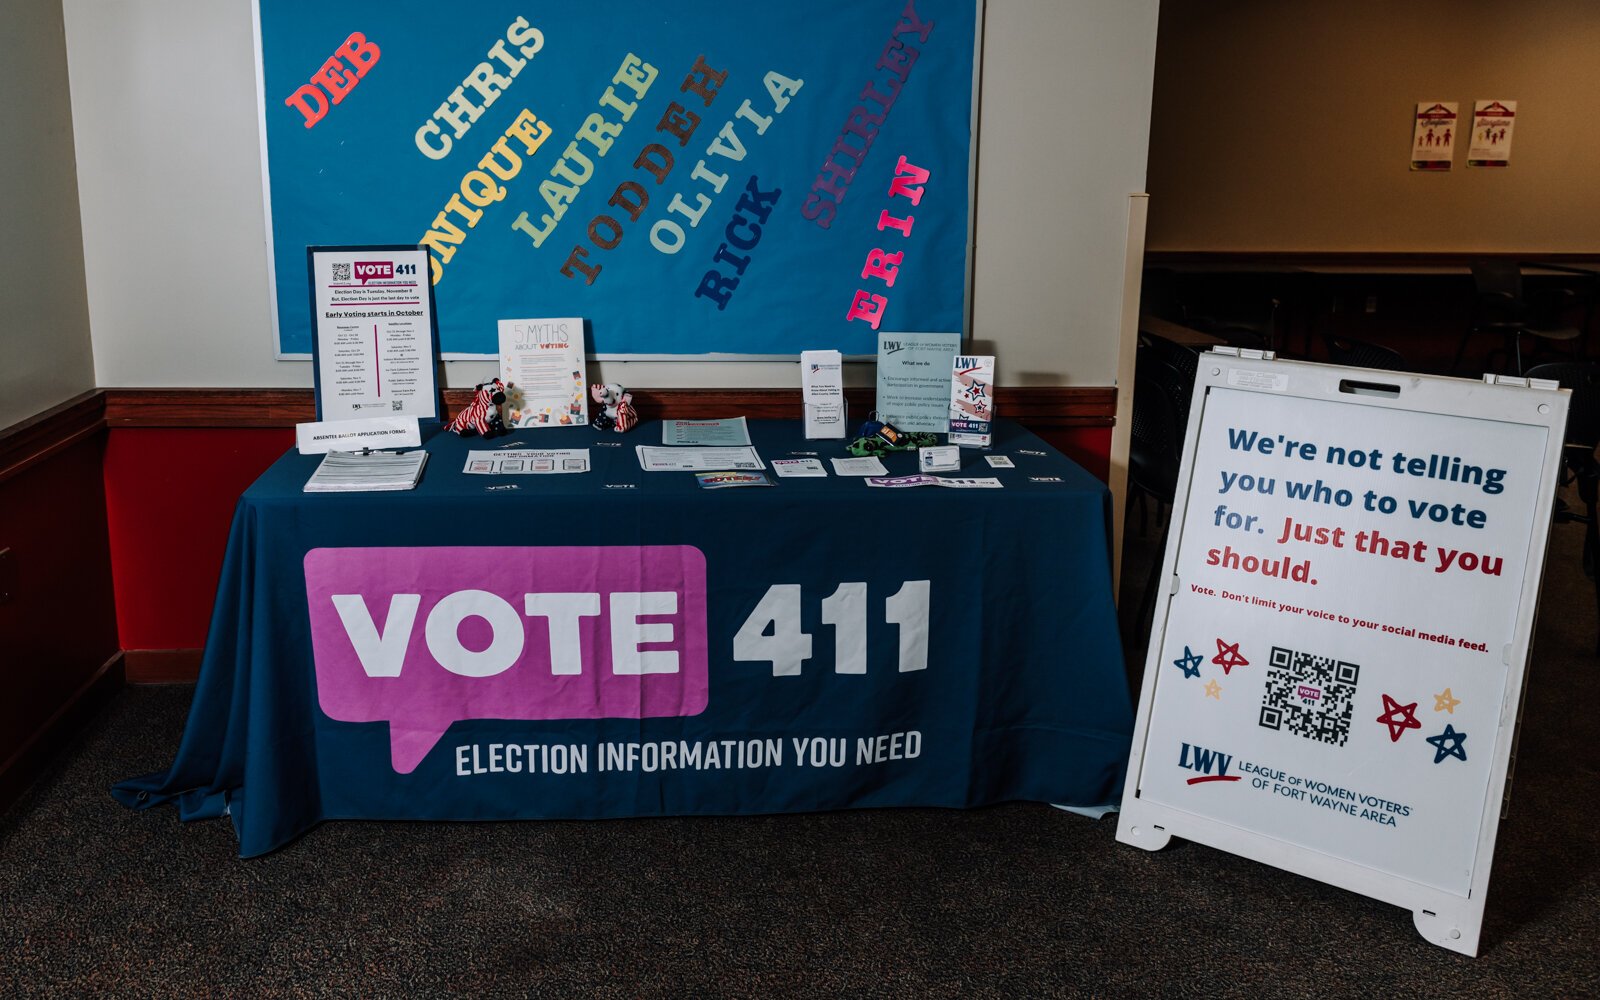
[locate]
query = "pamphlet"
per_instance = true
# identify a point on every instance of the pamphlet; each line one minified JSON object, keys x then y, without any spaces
{"x":1000,"y":461}
{"x":822,"y":392}
{"x":868,"y":466}
{"x":798,"y":468}
{"x":375,"y":349}
{"x":913,"y":392}
{"x":656,"y":458}
{"x":353,"y":472}
{"x":542,"y":365}
{"x":527,"y":461}
{"x":972,"y":401}
{"x":703,"y":433}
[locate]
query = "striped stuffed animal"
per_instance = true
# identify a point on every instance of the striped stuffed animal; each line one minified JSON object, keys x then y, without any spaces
{"x":482,"y":415}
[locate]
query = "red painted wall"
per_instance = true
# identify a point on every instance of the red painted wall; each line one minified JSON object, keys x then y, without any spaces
{"x":1090,"y":447}
{"x":170,"y":494}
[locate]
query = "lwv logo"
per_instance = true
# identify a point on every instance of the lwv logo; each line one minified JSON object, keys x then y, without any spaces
{"x":1198,"y":758}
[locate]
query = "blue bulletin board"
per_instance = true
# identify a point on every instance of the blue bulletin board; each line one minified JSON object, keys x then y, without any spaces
{"x":691,"y":178}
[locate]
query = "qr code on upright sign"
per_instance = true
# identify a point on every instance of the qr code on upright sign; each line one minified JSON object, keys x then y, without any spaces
{"x":341,"y":272}
{"x":1309,"y":695}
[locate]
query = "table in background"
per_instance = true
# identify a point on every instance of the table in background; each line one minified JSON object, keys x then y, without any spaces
{"x":1178,"y":333}
{"x":1020,"y":693}
{"x":1311,"y":291}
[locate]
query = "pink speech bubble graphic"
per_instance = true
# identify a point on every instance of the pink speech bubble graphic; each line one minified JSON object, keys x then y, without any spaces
{"x":423,"y":637}
{"x":367,"y":270}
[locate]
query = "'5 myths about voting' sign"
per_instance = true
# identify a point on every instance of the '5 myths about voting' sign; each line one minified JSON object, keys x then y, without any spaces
{"x":1352,"y":580}
{"x":692,"y":178}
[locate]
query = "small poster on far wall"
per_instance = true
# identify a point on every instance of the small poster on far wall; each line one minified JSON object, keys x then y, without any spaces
{"x":1492,"y":122}
{"x":541,"y":363}
{"x":1433,"y":136}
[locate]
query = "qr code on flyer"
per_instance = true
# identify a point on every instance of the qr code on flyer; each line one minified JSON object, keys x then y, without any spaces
{"x":1309,"y":695}
{"x":341,"y":272}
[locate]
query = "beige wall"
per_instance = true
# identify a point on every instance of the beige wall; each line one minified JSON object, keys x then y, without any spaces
{"x":45,"y":355}
{"x":165,"y":110}
{"x":1286,"y":126}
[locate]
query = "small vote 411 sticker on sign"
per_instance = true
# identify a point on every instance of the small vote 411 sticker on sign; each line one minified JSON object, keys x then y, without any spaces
{"x":423,"y":637}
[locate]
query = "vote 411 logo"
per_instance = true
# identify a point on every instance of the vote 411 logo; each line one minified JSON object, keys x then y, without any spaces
{"x":774,"y":633}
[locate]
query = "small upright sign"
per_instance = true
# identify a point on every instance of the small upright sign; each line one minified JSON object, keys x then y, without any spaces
{"x":542,"y":365}
{"x":913,"y":379}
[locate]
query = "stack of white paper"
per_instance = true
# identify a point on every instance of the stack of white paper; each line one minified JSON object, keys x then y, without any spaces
{"x":654,"y":458}
{"x":349,"y":472}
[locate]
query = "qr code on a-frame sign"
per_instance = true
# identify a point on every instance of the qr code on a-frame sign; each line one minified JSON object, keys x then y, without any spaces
{"x":341,"y":271}
{"x":1309,"y":695}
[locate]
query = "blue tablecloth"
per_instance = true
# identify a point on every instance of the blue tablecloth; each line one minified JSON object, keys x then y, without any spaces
{"x":624,"y":643}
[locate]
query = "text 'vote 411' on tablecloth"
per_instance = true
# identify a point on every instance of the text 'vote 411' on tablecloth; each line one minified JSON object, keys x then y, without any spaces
{"x":473,"y":633}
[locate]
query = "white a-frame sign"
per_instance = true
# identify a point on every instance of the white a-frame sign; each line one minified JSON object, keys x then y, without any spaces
{"x":1336,"y":664}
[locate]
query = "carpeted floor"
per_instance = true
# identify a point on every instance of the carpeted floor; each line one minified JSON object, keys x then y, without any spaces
{"x":1017,"y":900}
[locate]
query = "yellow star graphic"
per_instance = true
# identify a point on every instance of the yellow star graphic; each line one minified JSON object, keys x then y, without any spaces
{"x":1445,"y":702}
{"x":1213,"y":689}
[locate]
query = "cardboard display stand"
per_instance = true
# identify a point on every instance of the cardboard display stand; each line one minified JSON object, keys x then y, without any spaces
{"x":1337,"y":663}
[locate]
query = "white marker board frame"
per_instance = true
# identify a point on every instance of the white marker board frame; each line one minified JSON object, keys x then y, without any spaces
{"x":1242,"y":819}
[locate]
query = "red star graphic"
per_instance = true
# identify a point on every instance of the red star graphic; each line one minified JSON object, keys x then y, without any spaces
{"x":1398,"y":718}
{"x":1228,"y":656}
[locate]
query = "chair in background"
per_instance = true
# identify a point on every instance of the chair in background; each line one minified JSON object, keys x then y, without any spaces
{"x":1578,"y":461}
{"x":1247,"y":323}
{"x":1500,"y":307}
{"x":1361,"y":354}
{"x":1182,"y":357}
{"x":1241,"y":310}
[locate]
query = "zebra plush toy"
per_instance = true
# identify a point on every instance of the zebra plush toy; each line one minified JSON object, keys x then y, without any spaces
{"x":482,"y":415}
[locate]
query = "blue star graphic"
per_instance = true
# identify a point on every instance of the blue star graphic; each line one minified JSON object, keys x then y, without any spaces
{"x":1190,"y":663}
{"x":1456,"y":740}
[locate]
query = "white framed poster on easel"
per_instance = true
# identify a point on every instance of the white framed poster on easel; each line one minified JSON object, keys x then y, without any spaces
{"x":376,"y":346}
{"x":1337,"y":662}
